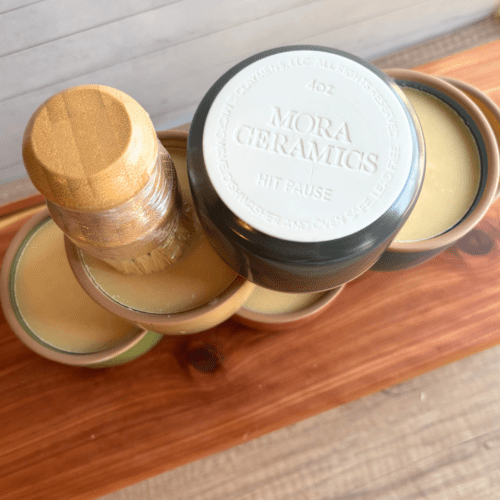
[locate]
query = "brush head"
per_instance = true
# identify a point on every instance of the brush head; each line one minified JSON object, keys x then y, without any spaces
{"x":89,"y":148}
{"x":169,"y":252}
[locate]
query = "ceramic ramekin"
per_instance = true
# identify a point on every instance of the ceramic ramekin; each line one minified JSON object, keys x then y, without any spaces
{"x":402,"y":255}
{"x":304,"y":163}
{"x":485,"y":104}
{"x":130,"y":348}
{"x":275,"y":322}
{"x":193,"y":320}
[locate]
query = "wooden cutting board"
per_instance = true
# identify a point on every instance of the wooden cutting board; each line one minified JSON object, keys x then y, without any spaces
{"x":73,"y":432}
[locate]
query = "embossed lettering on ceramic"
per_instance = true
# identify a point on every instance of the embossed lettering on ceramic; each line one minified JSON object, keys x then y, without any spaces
{"x":321,"y":140}
{"x":307,"y":145}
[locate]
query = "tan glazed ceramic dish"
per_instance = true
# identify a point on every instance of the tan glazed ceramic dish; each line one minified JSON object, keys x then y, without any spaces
{"x":402,"y":255}
{"x":190,"y":321}
{"x":132,"y":346}
{"x":287,"y":321}
{"x":485,"y":104}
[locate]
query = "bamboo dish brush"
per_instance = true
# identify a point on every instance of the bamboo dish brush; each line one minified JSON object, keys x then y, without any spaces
{"x":110,"y":185}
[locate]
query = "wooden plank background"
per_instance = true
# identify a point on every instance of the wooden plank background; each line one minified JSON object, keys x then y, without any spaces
{"x":167,"y":53}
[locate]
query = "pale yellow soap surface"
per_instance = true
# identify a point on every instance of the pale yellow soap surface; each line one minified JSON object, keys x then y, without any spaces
{"x":53,"y":304}
{"x":452,"y":172}
{"x":267,"y":301}
{"x":196,"y":280}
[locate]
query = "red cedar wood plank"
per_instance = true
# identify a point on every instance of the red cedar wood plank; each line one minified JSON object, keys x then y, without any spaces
{"x":73,"y":432}
{"x":21,"y":204}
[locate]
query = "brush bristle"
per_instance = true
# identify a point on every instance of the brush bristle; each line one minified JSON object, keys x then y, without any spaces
{"x":167,"y":254}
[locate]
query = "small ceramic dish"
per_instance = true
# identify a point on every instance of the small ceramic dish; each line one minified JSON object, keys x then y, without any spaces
{"x":405,"y":254}
{"x":51,"y":315}
{"x":486,"y":105}
{"x":175,"y":301}
{"x":277,"y":311}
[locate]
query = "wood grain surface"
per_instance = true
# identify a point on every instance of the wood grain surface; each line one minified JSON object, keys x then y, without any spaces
{"x":72,"y":432}
{"x":433,"y":437}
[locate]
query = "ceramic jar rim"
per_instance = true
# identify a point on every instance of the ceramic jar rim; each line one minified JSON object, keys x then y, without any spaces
{"x":487,"y":196}
{"x":289,"y":318}
{"x":30,"y":340}
{"x":486,"y":101}
{"x":200,"y":313}
{"x":135,"y":315}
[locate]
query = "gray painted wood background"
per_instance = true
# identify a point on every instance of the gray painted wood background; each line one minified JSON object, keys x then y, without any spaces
{"x":167,"y":53}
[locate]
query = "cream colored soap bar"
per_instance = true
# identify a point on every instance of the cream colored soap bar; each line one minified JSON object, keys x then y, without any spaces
{"x":52,"y":303}
{"x":452,"y":173}
{"x":267,"y":301}
{"x":196,"y":280}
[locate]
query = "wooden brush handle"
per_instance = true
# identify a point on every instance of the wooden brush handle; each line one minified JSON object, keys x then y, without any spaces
{"x":134,"y":228}
{"x":89,"y":148}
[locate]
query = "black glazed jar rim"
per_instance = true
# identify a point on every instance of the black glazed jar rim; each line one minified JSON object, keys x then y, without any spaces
{"x":274,"y":260}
